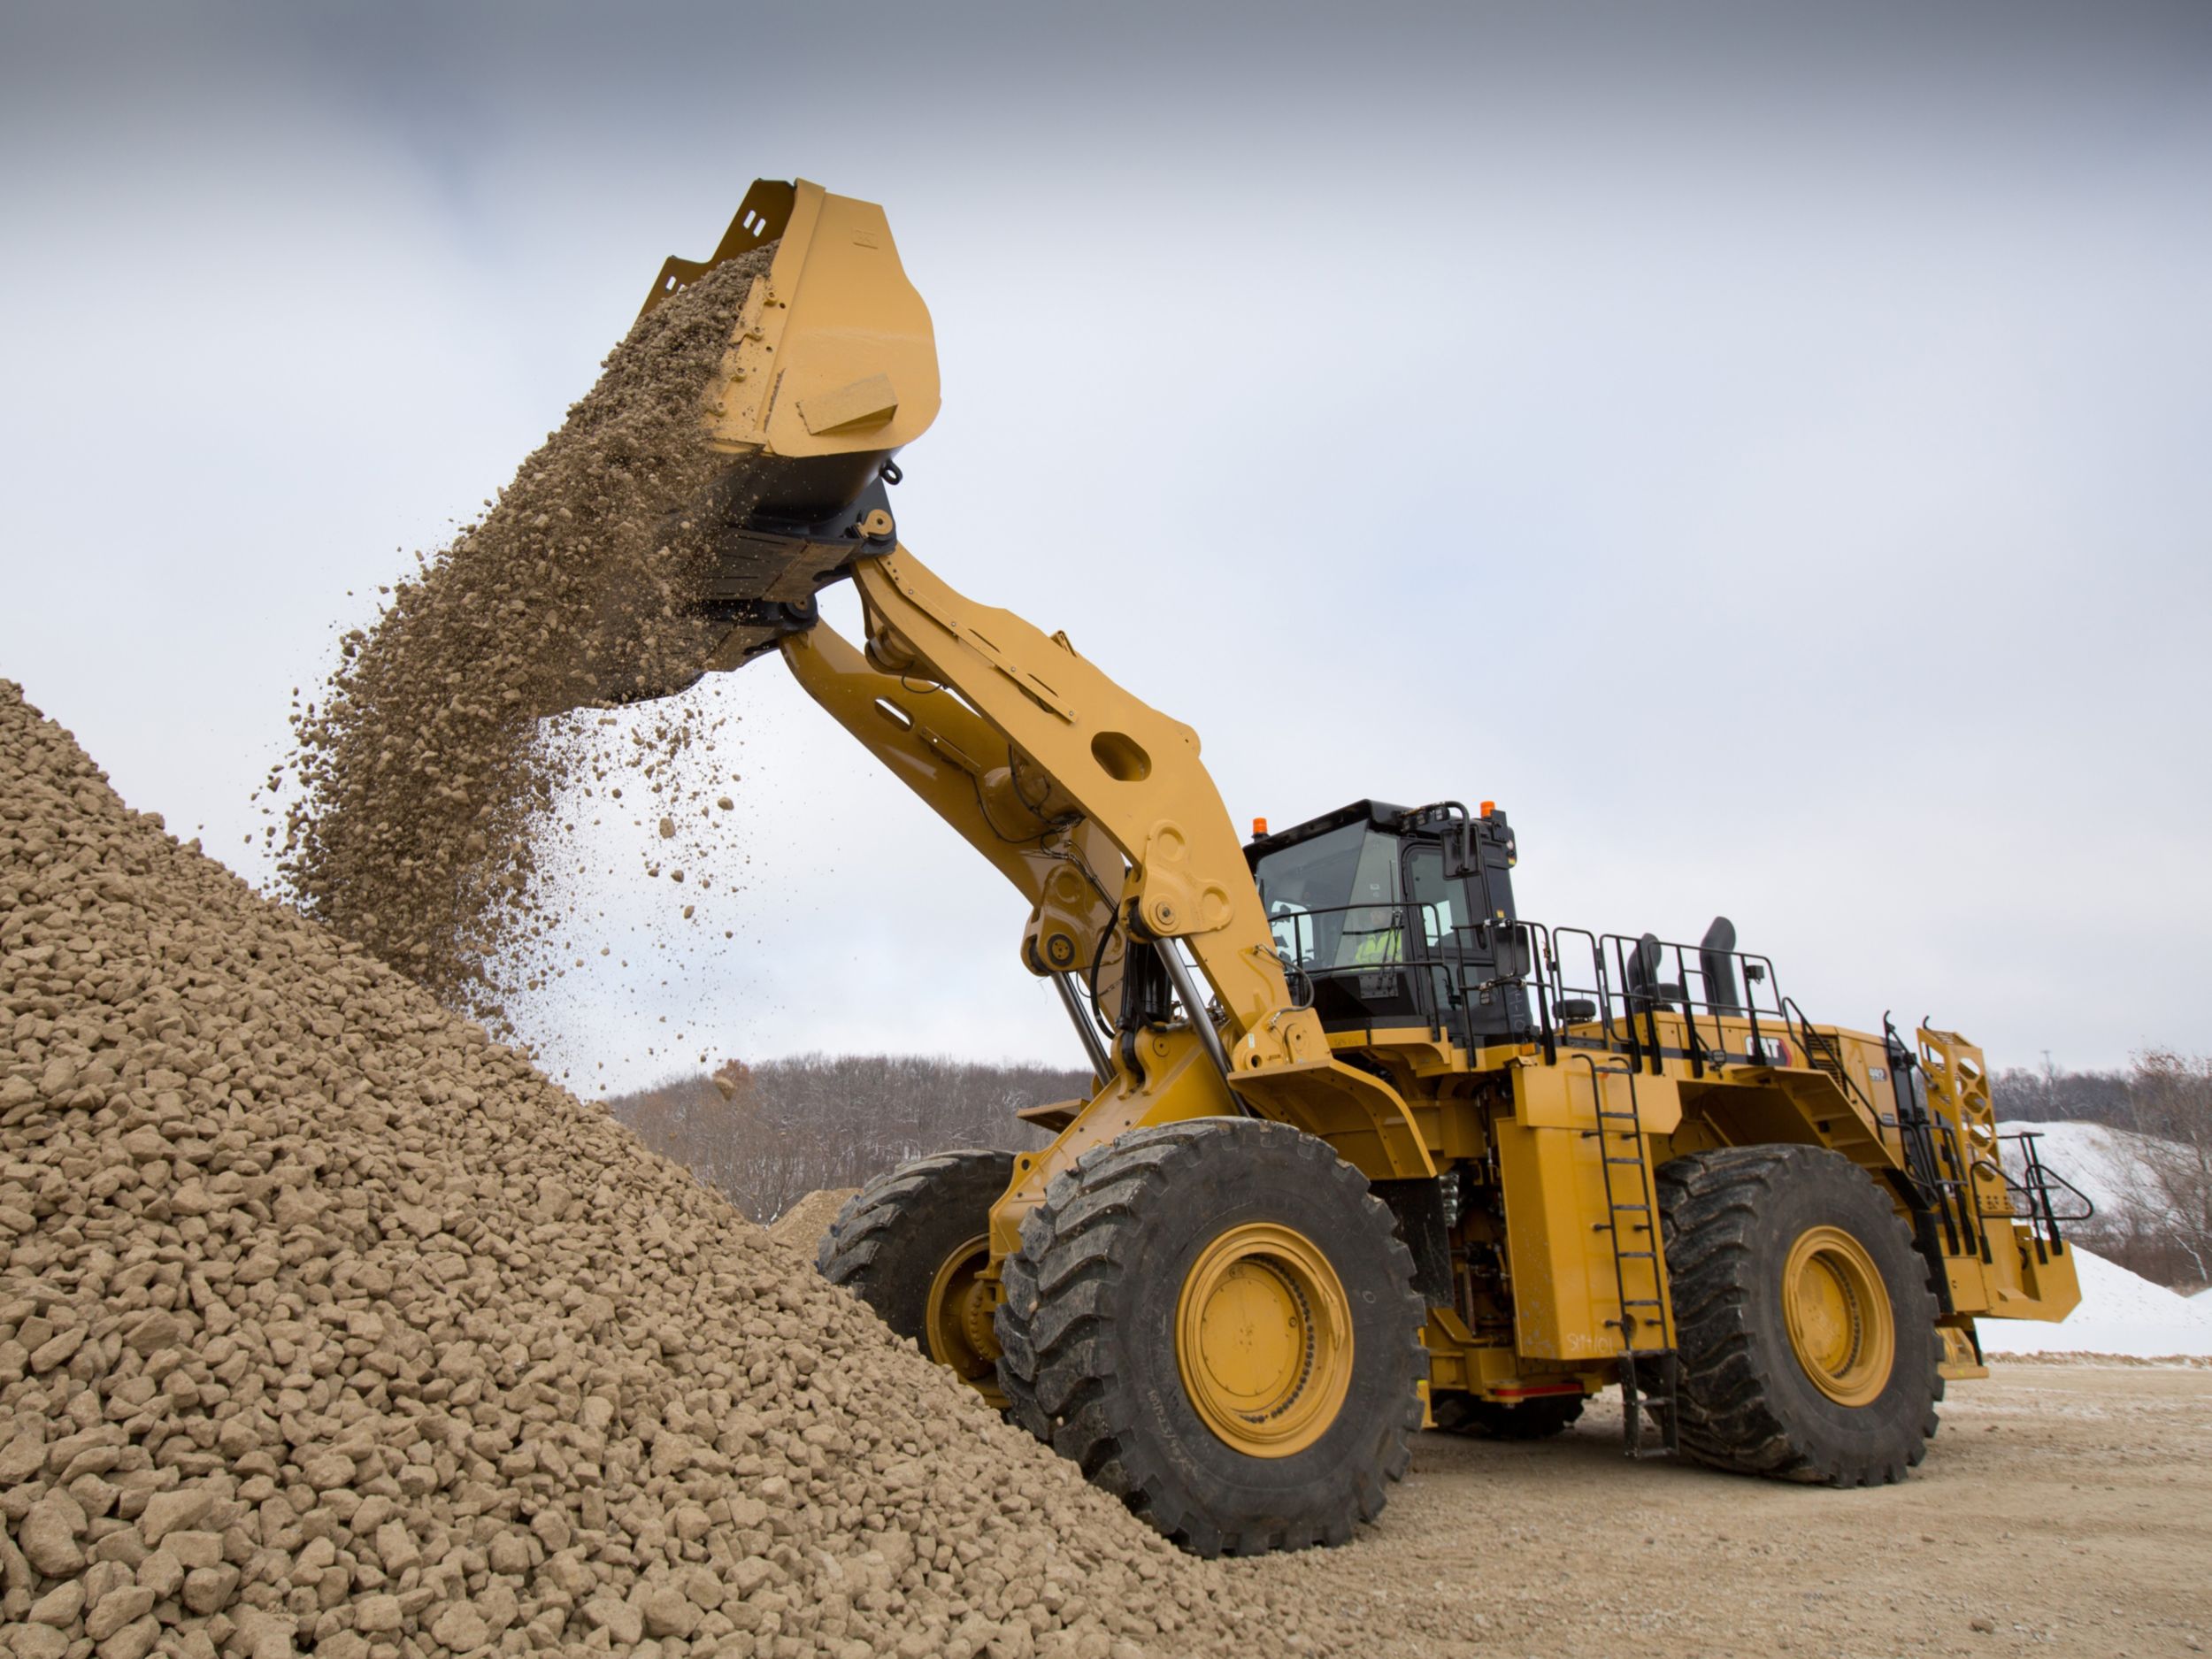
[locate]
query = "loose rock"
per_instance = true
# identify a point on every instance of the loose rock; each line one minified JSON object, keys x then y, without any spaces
{"x":500,"y":1377}
{"x":427,"y":774}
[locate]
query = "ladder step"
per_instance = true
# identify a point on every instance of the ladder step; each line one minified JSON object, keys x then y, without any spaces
{"x":1644,"y":1403}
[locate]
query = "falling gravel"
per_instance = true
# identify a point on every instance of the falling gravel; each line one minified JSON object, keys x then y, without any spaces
{"x":427,"y":774}
{"x":327,"y":1325}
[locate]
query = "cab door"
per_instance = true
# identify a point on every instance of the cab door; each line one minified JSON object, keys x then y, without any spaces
{"x":1466,"y":954}
{"x":1435,"y":918}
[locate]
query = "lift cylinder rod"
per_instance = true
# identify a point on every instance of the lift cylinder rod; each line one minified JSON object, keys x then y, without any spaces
{"x":1094,"y":1044}
{"x":1187,"y":992}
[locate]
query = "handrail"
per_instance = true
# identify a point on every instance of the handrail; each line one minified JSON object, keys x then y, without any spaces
{"x":1536,"y":959}
{"x":2038,"y":1179}
{"x":1397,"y":910}
{"x":1398,"y":955}
{"x":1817,"y":1041}
{"x":1627,"y":1012}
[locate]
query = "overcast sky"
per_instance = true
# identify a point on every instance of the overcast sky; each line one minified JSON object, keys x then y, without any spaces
{"x":1764,"y":448}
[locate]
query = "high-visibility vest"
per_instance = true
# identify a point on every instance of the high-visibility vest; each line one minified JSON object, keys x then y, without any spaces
{"x":1380,"y":946}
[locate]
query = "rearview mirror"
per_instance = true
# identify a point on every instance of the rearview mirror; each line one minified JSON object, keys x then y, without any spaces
{"x":1460,"y":857}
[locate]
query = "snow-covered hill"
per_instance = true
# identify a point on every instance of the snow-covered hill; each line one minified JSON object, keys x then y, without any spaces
{"x":2120,"y":1313}
{"x":2098,"y":1160}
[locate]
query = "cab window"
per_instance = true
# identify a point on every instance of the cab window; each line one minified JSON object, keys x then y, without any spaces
{"x":1332,"y":901}
{"x":1435,"y":902}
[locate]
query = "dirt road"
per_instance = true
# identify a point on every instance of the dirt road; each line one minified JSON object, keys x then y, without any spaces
{"x":2062,"y":1509}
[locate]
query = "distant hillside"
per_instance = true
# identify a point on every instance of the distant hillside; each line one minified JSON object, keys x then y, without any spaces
{"x":769,"y":1134}
{"x":2106,"y":1164}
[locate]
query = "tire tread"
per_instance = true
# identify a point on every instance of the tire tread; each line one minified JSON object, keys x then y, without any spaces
{"x":1711,"y":1206}
{"x":1054,"y":1368}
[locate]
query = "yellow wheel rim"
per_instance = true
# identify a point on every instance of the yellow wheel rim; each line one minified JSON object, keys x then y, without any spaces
{"x":959,"y":1321}
{"x":1839,"y":1315}
{"x":1263,"y":1339}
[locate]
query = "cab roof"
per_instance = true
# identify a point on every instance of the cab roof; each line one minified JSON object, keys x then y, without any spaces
{"x":1381,"y":815}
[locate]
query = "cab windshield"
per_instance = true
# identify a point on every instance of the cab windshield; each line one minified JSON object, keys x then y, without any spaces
{"x":1332,"y":901}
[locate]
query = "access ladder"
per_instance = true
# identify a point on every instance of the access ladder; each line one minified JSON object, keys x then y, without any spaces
{"x":1650,"y":1374}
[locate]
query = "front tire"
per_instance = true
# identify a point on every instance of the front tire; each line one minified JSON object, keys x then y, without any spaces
{"x":913,"y":1244}
{"x":1216,"y":1322}
{"x":1804,"y":1319}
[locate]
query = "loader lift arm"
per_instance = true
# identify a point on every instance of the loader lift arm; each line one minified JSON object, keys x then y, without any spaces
{"x":1095,"y":805}
{"x":1099,"y":809}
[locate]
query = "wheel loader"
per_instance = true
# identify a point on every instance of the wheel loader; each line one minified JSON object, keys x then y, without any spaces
{"x":1368,"y":1151}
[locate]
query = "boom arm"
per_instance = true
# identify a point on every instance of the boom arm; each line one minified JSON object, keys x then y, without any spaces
{"x":939,"y":747}
{"x":1097,"y":807}
{"x":1093,"y":804}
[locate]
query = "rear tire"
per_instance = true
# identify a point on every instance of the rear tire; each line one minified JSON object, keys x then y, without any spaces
{"x":1216,"y":1321}
{"x":910,"y":1243}
{"x":1803,"y":1318}
{"x":1497,"y":1420}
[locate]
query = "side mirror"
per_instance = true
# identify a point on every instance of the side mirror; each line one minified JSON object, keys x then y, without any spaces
{"x":1460,"y":857}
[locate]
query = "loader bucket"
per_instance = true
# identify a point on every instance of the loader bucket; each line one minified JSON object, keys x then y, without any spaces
{"x":831,"y":368}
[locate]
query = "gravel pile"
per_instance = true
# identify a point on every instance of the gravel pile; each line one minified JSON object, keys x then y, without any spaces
{"x":427,"y":774}
{"x":803,"y":1226}
{"x":328,"y":1325}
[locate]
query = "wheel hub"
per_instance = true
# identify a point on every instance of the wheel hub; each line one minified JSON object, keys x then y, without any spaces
{"x":1837,"y":1313}
{"x":1263,"y":1339}
{"x":958,"y":1323}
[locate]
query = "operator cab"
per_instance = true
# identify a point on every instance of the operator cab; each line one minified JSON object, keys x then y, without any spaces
{"x":1395,"y":917}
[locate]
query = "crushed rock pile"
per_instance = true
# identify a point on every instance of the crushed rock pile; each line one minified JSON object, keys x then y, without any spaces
{"x":329,"y":1326}
{"x":803,"y":1226}
{"x":429,"y":770}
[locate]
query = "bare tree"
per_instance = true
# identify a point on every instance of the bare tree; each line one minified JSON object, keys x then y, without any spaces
{"x":2172,"y":1097}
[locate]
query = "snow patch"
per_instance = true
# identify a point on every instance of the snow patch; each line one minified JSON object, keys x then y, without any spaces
{"x":2120,"y":1313}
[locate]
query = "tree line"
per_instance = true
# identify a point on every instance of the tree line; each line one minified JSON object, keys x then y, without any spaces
{"x":768,"y":1134}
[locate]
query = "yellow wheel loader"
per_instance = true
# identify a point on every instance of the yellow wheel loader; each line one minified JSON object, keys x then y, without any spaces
{"x":1368,"y":1149}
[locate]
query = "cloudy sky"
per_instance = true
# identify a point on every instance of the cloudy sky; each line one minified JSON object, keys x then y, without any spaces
{"x":1762,"y":447}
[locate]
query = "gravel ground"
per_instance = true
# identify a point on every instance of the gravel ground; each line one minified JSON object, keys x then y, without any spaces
{"x":2062,"y":1509}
